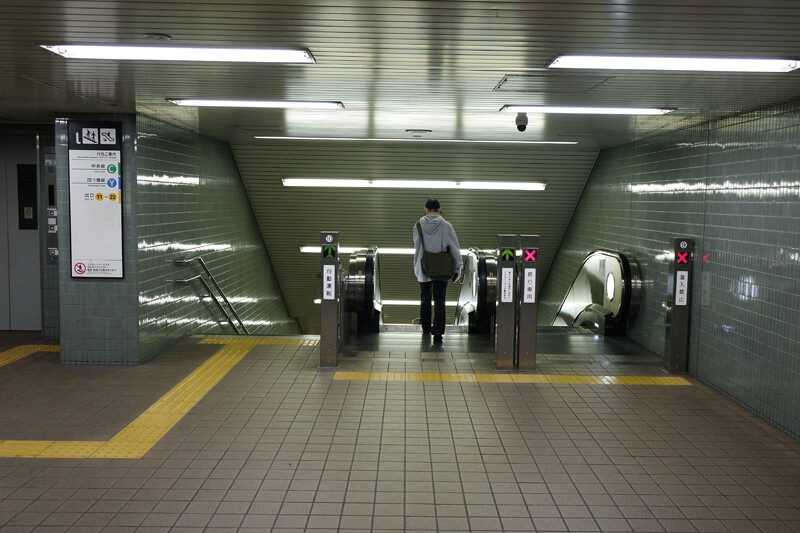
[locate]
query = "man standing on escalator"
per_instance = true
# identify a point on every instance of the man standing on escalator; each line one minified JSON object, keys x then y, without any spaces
{"x":438,"y":235}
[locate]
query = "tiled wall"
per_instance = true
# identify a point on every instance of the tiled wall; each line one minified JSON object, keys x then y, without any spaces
{"x":182,"y":198}
{"x":191,"y":203}
{"x":98,"y":317}
{"x":734,"y":186}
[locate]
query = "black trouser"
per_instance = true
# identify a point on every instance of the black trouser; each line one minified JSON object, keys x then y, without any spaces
{"x":439,"y":292}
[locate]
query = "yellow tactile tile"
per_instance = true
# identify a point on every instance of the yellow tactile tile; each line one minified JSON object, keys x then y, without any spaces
{"x":17,"y":353}
{"x":70,"y":448}
{"x":23,"y":448}
{"x":510,"y":378}
{"x":136,"y":439}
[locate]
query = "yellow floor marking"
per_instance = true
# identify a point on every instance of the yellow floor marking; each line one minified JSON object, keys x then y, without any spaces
{"x":14,"y":354}
{"x":136,"y":439}
{"x":510,"y":378}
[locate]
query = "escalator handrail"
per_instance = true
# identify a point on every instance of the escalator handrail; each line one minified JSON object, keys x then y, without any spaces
{"x":627,"y":308}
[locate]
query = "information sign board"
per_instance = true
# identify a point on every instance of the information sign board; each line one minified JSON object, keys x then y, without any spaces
{"x":95,"y":199}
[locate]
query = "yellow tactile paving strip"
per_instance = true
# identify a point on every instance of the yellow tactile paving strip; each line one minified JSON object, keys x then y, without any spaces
{"x":136,"y":439}
{"x":510,"y":378}
{"x":15,"y":354}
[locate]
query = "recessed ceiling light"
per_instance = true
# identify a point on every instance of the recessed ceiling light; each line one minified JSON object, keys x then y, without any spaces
{"x":712,"y":64}
{"x":174,"y":53}
{"x":586,"y":110}
{"x":256,"y":103}
{"x":417,"y":184}
{"x":414,"y":140}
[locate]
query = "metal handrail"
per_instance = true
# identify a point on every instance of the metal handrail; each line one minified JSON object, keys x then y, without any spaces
{"x":219,"y":289}
{"x":199,"y":277}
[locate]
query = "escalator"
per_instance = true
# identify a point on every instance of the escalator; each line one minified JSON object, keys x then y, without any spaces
{"x":604,"y":296}
{"x":361,"y":306}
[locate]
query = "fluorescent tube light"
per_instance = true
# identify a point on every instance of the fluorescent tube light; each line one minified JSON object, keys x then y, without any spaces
{"x":586,"y":110}
{"x":381,"y":250}
{"x":173,"y":53}
{"x":256,"y":103}
{"x":451,"y":303}
{"x":313,"y":182}
{"x":709,"y":64}
{"x":412,"y":140}
{"x":417,"y":184}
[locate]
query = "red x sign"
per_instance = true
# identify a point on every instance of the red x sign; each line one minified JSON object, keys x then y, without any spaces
{"x":530,"y":255}
{"x":682,"y":258}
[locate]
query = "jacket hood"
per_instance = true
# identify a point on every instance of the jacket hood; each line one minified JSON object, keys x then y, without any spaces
{"x":431,"y":223}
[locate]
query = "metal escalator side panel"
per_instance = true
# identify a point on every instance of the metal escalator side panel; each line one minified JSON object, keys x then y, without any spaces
{"x":607,"y":286}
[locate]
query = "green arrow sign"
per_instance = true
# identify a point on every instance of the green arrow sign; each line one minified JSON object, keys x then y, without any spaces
{"x":508,"y":254}
{"x":329,"y":251}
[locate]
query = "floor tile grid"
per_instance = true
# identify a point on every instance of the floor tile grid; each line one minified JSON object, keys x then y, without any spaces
{"x":570,"y":399}
{"x":552,"y":521}
{"x":634,"y":472}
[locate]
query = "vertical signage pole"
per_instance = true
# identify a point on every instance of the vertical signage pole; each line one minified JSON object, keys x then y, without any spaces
{"x":526,"y":352}
{"x":505,"y":340}
{"x":679,"y":302}
{"x":329,"y":308}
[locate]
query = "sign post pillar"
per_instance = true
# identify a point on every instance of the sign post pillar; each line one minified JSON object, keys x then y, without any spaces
{"x":526,"y":352}
{"x":679,"y":302}
{"x":329,"y":337}
{"x":505,"y":340}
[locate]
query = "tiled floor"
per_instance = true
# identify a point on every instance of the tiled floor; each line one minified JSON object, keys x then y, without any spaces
{"x":279,"y":445}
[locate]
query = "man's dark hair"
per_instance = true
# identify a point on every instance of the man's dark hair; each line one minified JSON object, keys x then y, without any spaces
{"x":432,"y":204}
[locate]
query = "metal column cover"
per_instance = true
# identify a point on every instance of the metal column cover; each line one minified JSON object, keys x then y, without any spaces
{"x":679,"y":303}
{"x":329,"y":308}
{"x":526,"y":350}
{"x":505,"y":340}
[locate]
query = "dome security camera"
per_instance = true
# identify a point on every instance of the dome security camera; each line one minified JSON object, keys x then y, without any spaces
{"x":522,"y":121}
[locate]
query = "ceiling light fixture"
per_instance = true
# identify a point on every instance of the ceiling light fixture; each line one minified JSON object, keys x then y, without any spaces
{"x":266,"y":104}
{"x":416,"y":184}
{"x":353,"y":249}
{"x":383,"y":251}
{"x":451,"y":303}
{"x":708,"y":64}
{"x":586,"y":110}
{"x":412,"y":140}
{"x":174,"y":53}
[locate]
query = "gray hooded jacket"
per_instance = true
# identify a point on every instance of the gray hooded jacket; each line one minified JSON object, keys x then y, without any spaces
{"x":438,"y":235}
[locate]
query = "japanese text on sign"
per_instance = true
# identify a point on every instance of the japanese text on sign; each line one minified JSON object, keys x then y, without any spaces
{"x":328,"y":282}
{"x":682,"y":288}
{"x":95,"y":209}
{"x":507,"y":289}
{"x":529,"y":286}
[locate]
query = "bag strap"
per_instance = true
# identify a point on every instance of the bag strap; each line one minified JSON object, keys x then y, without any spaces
{"x":419,"y":229}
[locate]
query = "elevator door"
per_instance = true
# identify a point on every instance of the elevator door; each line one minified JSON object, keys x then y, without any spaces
{"x":20,"y":278}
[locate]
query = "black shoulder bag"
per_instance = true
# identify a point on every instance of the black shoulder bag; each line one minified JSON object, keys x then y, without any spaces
{"x":439,"y":266}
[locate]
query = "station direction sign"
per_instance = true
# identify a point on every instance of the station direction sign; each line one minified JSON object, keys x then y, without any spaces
{"x":95,"y":199}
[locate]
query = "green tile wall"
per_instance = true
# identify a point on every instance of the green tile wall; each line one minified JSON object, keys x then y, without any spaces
{"x":182,"y":198}
{"x":734,"y":186}
{"x":190,"y":203}
{"x":98,"y":317}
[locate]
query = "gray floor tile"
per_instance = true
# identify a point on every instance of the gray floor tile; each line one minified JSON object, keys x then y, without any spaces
{"x":278,"y":444}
